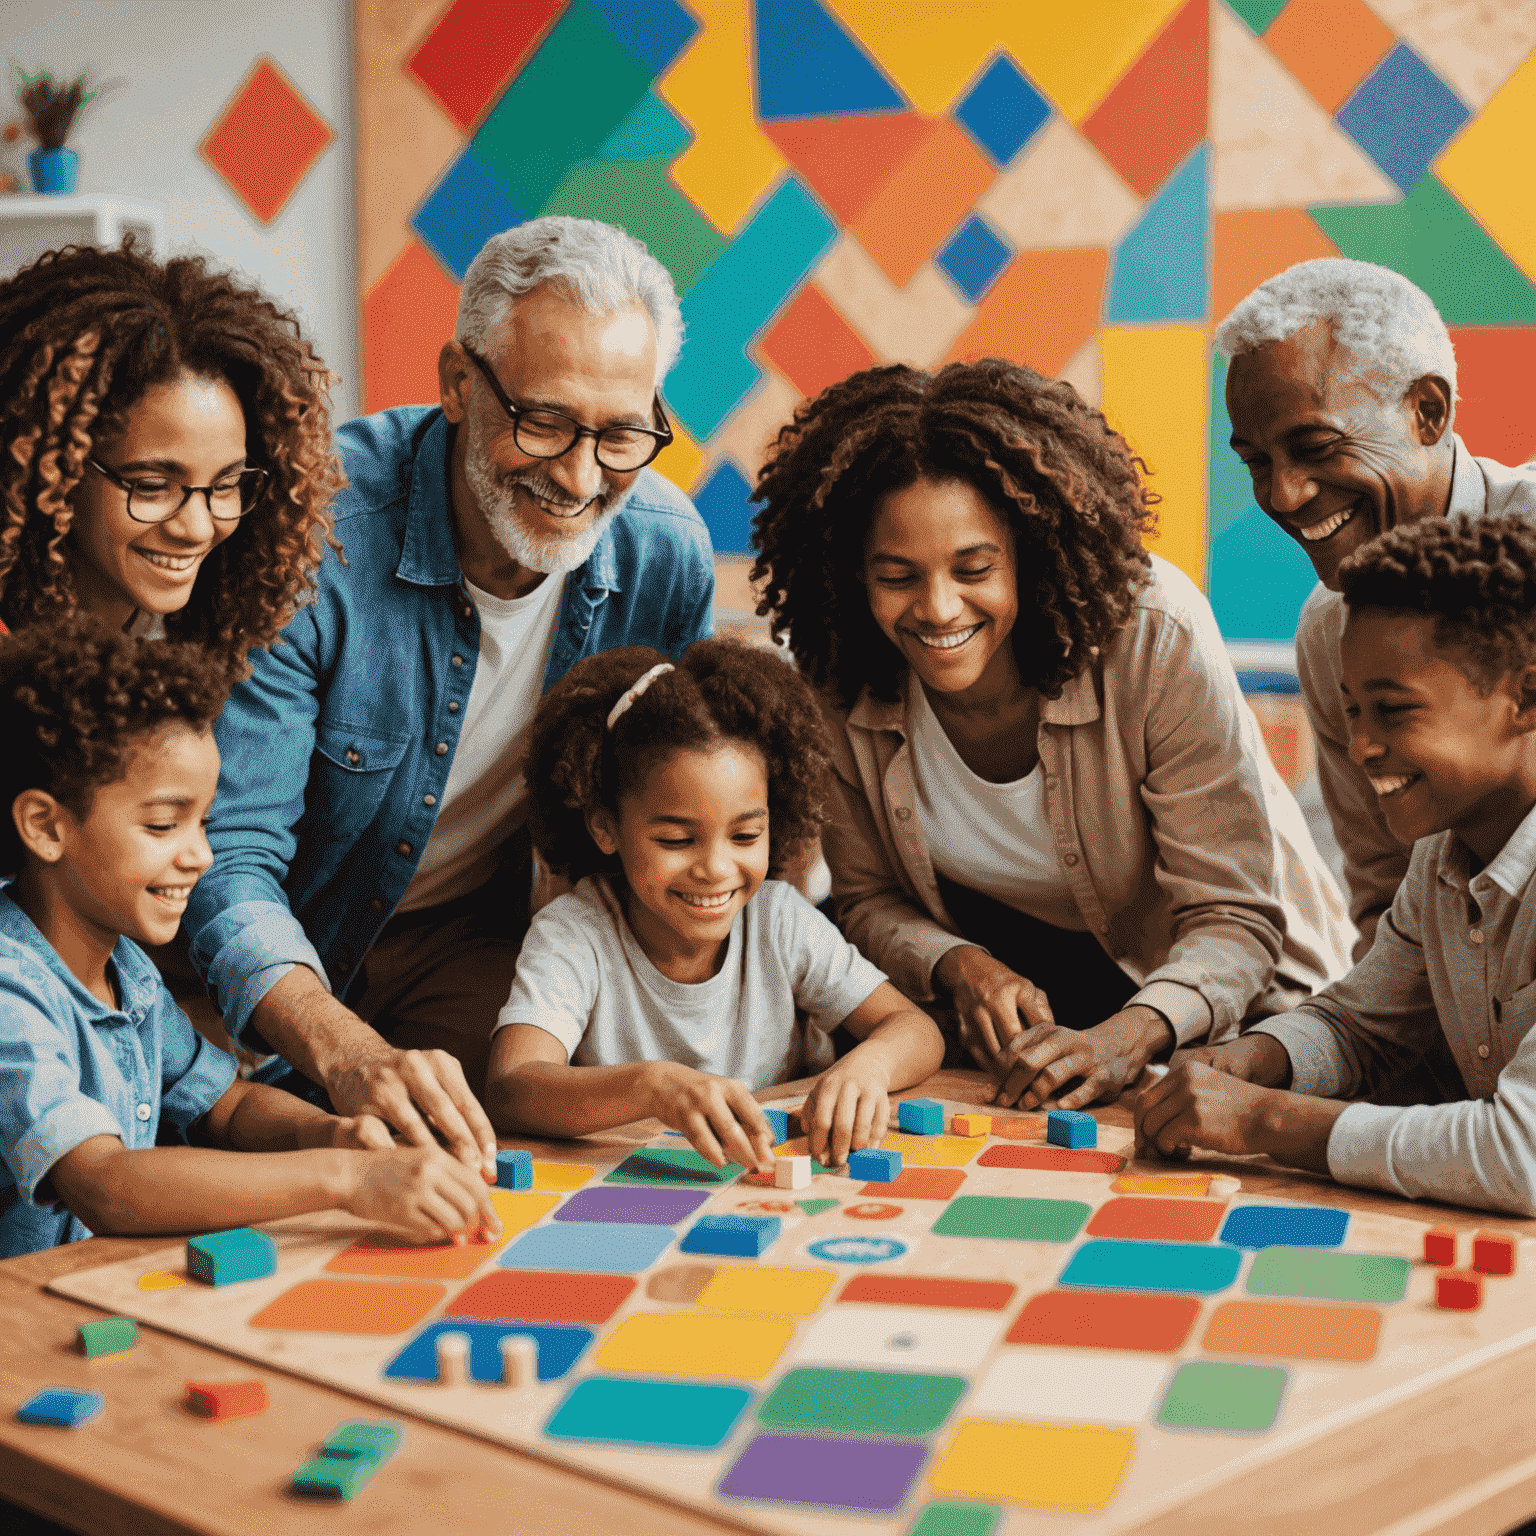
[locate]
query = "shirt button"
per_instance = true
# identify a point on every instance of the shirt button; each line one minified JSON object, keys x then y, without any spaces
{"x":429,"y":799}
{"x":353,"y":755}
{"x":1482,"y":1051}
{"x":903,"y":813}
{"x":441,"y":749}
{"x":1476,"y":935}
{"x":464,"y":611}
{"x":1070,"y":859}
{"x":453,"y":706}
{"x":143,"y":1111}
{"x":402,"y":849}
{"x":458,"y":661}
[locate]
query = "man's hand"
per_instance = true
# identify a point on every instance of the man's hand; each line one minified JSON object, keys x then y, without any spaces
{"x":847,"y":1109}
{"x":1106,"y":1057}
{"x":361,"y":1133}
{"x":995,"y":1005}
{"x":1255,"y":1058}
{"x":718,"y":1115}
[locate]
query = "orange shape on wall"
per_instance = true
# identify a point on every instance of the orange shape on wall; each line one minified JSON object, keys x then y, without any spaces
{"x":1250,"y":248}
{"x":1279,"y":1330}
{"x":351,"y":1306}
{"x":1496,"y":414}
{"x":265,"y":140}
{"x":1040,"y":311}
{"x":919,"y":1184}
{"x":812,"y":345}
{"x":1168,"y":1221}
{"x":542,"y":1296}
{"x":1330,"y":45}
{"x":923,"y":201}
{"x":846,"y":160}
{"x":1106,"y":1320}
{"x":476,"y":47}
{"x":1156,"y":114}
{"x":407,"y":316}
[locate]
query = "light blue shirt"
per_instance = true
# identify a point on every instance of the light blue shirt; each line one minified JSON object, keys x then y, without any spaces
{"x":72,"y":1068}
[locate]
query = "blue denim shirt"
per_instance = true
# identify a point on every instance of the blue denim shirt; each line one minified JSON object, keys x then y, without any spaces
{"x":337,"y":747}
{"x":72,"y":1068}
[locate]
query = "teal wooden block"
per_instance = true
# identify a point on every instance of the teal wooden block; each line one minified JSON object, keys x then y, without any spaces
{"x":514,"y":1170}
{"x":1071,"y":1128}
{"x":334,"y":1477}
{"x":778,"y":1123}
{"x":372,"y":1437}
{"x":921,"y":1117}
{"x":222,"y":1258}
{"x":107,"y":1336}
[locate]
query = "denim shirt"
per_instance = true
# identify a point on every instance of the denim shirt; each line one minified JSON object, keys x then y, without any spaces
{"x":337,"y":747}
{"x":71,"y":1068}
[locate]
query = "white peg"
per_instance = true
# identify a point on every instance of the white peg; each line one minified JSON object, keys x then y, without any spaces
{"x":519,"y":1360}
{"x":452,"y":1359}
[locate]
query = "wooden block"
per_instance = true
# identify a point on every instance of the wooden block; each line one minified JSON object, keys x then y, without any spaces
{"x":332,"y":1477}
{"x":921,"y":1117}
{"x":1440,"y":1247}
{"x":452,"y":1359}
{"x":226,"y":1399}
{"x":377,"y":1439}
{"x":514,"y":1169}
{"x":876,"y":1165}
{"x":61,"y":1407}
{"x":1458,"y":1290}
{"x":223,"y":1258}
{"x":792,"y":1173}
{"x":732,"y":1236}
{"x":519,"y":1360}
{"x":1493,"y":1253}
{"x":971,"y":1125}
{"x":1071,"y":1128}
{"x":1225,"y":1185}
{"x":107,"y":1336}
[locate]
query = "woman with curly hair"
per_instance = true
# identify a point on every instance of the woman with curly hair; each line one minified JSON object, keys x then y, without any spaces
{"x":1051,"y":807}
{"x":679,"y":975}
{"x":165,"y":455}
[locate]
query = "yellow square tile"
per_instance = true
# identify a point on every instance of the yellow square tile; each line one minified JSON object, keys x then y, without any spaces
{"x":786,"y":1292}
{"x":519,"y":1209}
{"x":1162,"y":1184}
{"x":694,"y":1344}
{"x":561,"y":1175}
{"x":1051,"y":1466}
{"x":933,"y":1151}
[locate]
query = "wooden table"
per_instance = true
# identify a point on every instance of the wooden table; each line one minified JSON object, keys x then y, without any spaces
{"x":1466,"y":1464}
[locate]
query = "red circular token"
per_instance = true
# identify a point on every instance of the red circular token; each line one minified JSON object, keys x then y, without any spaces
{"x":767,"y":1207}
{"x":872,"y":1210}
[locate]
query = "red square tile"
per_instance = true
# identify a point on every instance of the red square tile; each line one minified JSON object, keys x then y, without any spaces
{"x":543,"y":1296}
{"x":919,"y":1184}
{"x":922,"y":1291}
{"x":1052,"y":1159}
{"x":1106,"y":1320}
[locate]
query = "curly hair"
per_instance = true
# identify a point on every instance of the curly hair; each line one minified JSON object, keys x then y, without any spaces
{"x":1476,"y":577}
{"x":83,"y":334}
{"x":722,"y":691}
{"x":75,"y":698}
{"x":1063,"y":480}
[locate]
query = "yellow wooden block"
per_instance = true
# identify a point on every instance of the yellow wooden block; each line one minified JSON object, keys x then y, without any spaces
{"x":160,"y":1280}
{"x":1156,"y":381}
{"x":932,"y":1151}
{"x":561,"y":1175}
{"x":783,"y":1291}
{"x":1162,"y":1184}
{"x":971,"y":1125}
{"x":1054,"y":1466}
{"x":518,"y":1209}
{"x":695,"y":1344}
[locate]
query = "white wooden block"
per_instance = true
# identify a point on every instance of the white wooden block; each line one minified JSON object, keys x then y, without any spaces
{"x":452,"y":1359}
{"x":519,"y":1360}
{"x":1224,"y":1185}
{"x":791,"y":1172}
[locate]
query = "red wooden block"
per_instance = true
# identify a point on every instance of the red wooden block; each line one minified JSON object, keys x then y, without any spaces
{"x":1493,"y":1253}
{"x":1440,"y":1247}
{"x":226,"y":1399}
{"x":1458,"y":1290}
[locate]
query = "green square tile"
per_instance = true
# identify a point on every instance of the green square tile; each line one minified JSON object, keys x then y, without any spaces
{"x":861,"y":1402}
{"x":1029,"y":1221}
{"x":670,"y":1165}
{"x":1329,"y":1276}
{"x":1209,"y":1395}
{"x":950,"y":1519}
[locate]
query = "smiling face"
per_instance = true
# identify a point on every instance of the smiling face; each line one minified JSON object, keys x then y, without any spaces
{"x":693,"y":840}
{"x":190,"y":431}
{"x":939,"y":570}
{"x":1441,"y":756}
{"x":1333,"y":462}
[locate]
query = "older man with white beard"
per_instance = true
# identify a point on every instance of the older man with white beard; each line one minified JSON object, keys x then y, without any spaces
{"x":370,"y":883}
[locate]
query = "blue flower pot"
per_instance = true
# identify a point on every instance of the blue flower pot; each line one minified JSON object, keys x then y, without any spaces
{"x":53,"y":170}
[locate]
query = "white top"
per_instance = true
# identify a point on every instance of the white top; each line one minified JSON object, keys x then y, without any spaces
{"x":789,"y":979}
{"x":484,"y":800}
{"x":992,"y":838}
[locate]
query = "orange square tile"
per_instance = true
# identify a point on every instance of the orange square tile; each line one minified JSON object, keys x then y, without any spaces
{"x":1281,"y":1330}
{"x":351,"y":1306}
{"x":380,"y":1255}
{"x":1040,"y":311}
{"x":919,"y":1184}
{"x":1167,"y":1221}
{"x":1330,"y":45}
{"x":812,"y":345}
{"x":1106,"y":1320}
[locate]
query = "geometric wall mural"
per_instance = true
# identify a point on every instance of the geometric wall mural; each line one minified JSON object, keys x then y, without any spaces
{"x":1084,"y":187}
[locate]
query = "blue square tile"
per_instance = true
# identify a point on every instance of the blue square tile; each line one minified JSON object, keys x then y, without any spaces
{"x":1403,"y":115}
{"x":601,"y":1247}
{"x":1002,"y":111}
{"x":1285,"y":1226}
{"x":559,"y":1349}
{"x":463,"y":211}
{"x":974,"y":257}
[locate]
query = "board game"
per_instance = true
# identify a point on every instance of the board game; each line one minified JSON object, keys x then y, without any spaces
{"x":1010,"y":1337}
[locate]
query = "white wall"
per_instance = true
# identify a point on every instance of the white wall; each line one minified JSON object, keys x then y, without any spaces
{"x":180,"y":61}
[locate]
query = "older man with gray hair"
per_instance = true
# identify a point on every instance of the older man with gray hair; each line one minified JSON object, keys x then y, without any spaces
{"x":369,"y":890}
{"x":1342,"y":394}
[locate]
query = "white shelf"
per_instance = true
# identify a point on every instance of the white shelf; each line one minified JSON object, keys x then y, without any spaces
{"x":31,"y":223}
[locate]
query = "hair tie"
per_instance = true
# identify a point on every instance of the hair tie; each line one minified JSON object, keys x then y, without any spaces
{"x":629,"y":695}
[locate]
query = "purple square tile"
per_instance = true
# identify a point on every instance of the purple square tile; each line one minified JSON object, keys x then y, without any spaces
{"x":811,"y":1469}
{"x":645,"y":1206}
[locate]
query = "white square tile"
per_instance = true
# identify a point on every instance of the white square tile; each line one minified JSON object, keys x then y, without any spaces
{"x":917,"y":1338}
{"x":1095,"y":1385}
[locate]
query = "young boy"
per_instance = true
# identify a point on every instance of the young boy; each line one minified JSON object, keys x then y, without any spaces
{"x":1439,"y":667}
{"x":106,"y":776}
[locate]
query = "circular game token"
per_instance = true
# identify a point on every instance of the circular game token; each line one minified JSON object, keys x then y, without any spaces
{"x":872,"y":1210}
{"x":857,"y":1250}
{"x":766,"y":1207}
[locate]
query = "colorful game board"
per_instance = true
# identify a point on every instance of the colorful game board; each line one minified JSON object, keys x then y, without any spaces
{"x":1024,"y":1344}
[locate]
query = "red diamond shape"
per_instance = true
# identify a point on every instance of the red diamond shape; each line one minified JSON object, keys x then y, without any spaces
{"x":265,"y":140}
{"x":474,"y":50}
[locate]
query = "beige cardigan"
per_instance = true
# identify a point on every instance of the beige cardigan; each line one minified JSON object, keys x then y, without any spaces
{"x":1187,"y":856}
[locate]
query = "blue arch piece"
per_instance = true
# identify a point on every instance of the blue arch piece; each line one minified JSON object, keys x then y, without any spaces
{"x":808,"y":66}
{"x":654,"y":31}
{"x":559,"y":1349}
{"x":1161,"y":269}
{"x":463,"y":211}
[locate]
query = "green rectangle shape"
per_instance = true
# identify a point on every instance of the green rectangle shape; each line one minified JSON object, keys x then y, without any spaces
{"x":1329,"y":1276}
{"x":950,"y":1519}
{"x":1209,"y":1395}
{"x":1023,"y":1220}
{"x":108,"y":1335}
{"x":861,"y":1402}
{"x":670,"y":1165}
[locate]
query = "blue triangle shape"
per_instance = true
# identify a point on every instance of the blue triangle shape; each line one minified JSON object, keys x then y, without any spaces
{"x":808,"y":66}
{"x":1160,"y":271}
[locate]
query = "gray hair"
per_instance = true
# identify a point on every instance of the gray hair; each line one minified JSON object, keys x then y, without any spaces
{"x":1390,"y":328}
{"x":602,"y":268}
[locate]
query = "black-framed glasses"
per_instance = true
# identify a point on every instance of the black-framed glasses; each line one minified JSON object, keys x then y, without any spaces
{"x":154,"y":499}
{"x":545,"y":434}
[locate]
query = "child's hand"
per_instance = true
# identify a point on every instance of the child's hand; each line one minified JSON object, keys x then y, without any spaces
{"x":363,"y":1133}
{"x":423,"y":1192}
{"x":717,"y":1114}
{"x":1199,"y":1106}
{"x":847,"y":1109}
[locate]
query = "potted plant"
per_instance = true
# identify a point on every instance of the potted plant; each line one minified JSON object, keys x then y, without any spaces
{"x":51,"y":107}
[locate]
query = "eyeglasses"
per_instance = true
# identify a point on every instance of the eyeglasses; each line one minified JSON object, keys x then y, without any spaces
{"x":545,"y":434}
{"x":154,"y":499}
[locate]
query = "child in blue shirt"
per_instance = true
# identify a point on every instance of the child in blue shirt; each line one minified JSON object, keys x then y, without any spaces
{"x":108,"y":772}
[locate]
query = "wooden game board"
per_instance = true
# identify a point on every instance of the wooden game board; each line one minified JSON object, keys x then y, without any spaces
{"x":987,"y":1402}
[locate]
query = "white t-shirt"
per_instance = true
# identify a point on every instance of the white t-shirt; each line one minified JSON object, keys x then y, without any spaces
{"x":583,"y":978}
{"x":992,"y":838}
{"x":483,"y":802}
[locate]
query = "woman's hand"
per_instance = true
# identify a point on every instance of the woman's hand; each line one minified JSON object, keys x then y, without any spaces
{"x":847,"y":1109}
{"x":995,"y":1005}
{"x":363,"y":1133}
{"x":718,"y":1115}
{"x":1107,"y":1058}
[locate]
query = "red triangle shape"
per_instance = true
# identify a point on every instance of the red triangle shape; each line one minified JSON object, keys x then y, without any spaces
{"x":846,"y":160}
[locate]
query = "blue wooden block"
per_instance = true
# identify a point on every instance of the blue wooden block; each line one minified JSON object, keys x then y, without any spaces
{"x":221,"y":1258}
{"x":61,"y":1407}
{"x":514,"y":1170}
{"x":1071,"y":1128}
{"x":921,"y":1117}
{"x":743,"y":1237}
{"x":875,"y":1165}
{"x":778,"y":1121}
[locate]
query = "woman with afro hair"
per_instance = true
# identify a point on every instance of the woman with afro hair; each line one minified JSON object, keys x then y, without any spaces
{"x":165,"y":452}
{"x":1052,"y":808}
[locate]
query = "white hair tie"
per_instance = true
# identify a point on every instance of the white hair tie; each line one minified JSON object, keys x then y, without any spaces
{"x":629,"y":696}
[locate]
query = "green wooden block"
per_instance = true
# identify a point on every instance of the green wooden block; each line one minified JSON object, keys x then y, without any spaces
{"x":334,"y":1477}
{"x":369,"y":1437}
{"x":107,"y":1336}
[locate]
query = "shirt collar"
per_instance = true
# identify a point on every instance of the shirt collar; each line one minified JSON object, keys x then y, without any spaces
{"x":137,"y":980}
{"x":1514,"y":863}
{"x":1469,"y":490}
{"x":1078,"y":705}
